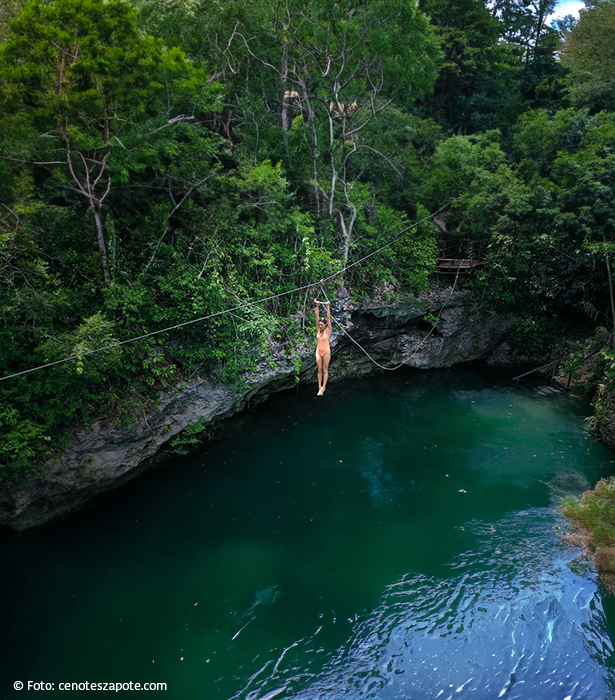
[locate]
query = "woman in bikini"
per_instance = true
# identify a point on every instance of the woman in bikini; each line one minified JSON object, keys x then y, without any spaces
{"x":323,"y":349}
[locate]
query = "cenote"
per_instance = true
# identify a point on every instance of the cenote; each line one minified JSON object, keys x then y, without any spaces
{"x":397,"y":538}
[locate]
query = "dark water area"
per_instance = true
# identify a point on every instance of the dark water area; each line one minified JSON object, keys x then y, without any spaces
{"x":397,"y":538}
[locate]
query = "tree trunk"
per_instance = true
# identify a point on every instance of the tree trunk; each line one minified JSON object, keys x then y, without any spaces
{"x":347,"y":233}
{"x":101,"y":240}
{"x":284,"y":82}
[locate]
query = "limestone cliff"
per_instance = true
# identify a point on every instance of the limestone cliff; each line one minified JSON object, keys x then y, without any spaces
{"x":103,"y":455}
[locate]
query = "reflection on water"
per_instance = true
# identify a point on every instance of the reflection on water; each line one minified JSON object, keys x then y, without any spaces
{"x":394,"y":539}
{"x":512,"y":621}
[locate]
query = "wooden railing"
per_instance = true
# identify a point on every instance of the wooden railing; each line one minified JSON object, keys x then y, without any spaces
{"x":452,"y":260}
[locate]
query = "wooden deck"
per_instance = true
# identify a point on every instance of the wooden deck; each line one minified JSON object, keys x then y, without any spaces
{"x":452,"y":266}
{"x":460,"y":259}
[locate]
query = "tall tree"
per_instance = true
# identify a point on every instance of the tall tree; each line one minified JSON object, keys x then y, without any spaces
{"x":77,"y":77}
{"x":472,"y":84}
{"x":524,"y":22}
{"x":589,"y":50}
{"x":309,"y":82}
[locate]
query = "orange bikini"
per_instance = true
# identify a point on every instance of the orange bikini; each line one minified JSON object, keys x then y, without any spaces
{"x":323,"y":343}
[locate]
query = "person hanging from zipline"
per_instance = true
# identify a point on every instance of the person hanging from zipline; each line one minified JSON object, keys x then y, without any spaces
{"x":323,"y":349}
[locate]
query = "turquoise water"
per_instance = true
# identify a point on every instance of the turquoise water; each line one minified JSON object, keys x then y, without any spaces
{"x":393,"y":539}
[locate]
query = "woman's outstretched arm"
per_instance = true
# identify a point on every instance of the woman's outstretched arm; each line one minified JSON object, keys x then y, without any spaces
{"x":329,"y":327}
{"x":317,"y":316}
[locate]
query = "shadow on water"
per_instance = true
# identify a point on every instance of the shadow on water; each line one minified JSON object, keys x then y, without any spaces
{"x":394,"y":539}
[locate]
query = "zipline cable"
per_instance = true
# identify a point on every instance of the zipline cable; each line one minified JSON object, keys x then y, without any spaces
{"x":389,"y":369}
{"x":418,"y":347}
{"x":220,"y":313}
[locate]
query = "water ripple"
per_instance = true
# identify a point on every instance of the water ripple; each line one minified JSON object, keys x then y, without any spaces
{"x":511,"y":621}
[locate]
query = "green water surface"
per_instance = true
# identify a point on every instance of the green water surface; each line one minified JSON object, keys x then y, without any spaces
{"x":396,"y":538}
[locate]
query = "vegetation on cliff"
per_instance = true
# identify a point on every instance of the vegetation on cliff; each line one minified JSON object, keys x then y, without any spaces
{"x":165,"y":161}
{"x":593,"y":517}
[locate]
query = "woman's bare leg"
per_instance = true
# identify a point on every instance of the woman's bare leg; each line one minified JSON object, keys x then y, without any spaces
{"x":325,"y":370}
{"x":319,"y":365}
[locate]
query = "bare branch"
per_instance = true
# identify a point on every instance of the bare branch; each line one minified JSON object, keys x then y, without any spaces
{"x":69,"y":160}
{"x":87,"y":177}
{"x":180,"y":118}
{"x":103,"y":168}
{"x":64,"y":51}
{"x":369,"y":148}
{"x":261,"y":60}
{"x":368,"y":120}
{"x":102,"y":199}
{"x":13,"y":213}
{"x":175,"y":208}
{"x":34,"y":162}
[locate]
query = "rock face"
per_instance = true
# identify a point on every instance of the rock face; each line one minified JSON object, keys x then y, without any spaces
{"x":103,"y":456}
{"x":404,"y":333}
{"x":604,"y":416}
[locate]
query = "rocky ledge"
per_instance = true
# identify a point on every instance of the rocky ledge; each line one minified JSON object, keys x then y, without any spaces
{"x":103,"y":456}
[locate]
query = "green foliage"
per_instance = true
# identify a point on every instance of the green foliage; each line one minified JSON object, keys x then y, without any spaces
{"x":500,"y":59}
{"x":431,"y":319}
{"x":191,"y":436}
{"x":603,"y":403}
{"x":474,"y":84}
{"x":532,"y":336}
{"x":472,"y":172}
{"x":21,"y":443}
{"x":588,"y":49}
{"x":595,"y":513}
{"x":163,"y":162}
{"x":297,"y":369}
{"x":86,"y":95}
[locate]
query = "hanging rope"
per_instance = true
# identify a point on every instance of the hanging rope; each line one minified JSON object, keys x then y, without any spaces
{"x":418,"y":347}
{"x":243,"y":305}
{"x":435,"y":325}
{"x":389,"y":369}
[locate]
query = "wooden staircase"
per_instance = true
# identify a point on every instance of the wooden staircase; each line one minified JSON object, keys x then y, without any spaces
{"x":460,"y":259}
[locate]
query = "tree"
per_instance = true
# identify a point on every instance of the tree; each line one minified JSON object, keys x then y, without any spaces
{"x":81,"y":82}
{"x":309,"y":85}
{"x":543,"y":216}
{"x":338,"y":69}
{"x":589,"y":50}
{"x":8,"y":11}
{"x":586,"y":178}
{"x":472,"y":84}
{"x":524,"y":22}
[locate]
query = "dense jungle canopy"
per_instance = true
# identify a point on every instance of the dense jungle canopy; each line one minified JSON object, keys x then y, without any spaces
{"x":161,"y":161}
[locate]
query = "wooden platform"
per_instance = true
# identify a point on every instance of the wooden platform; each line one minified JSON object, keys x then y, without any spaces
{"x":453,"y":266}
